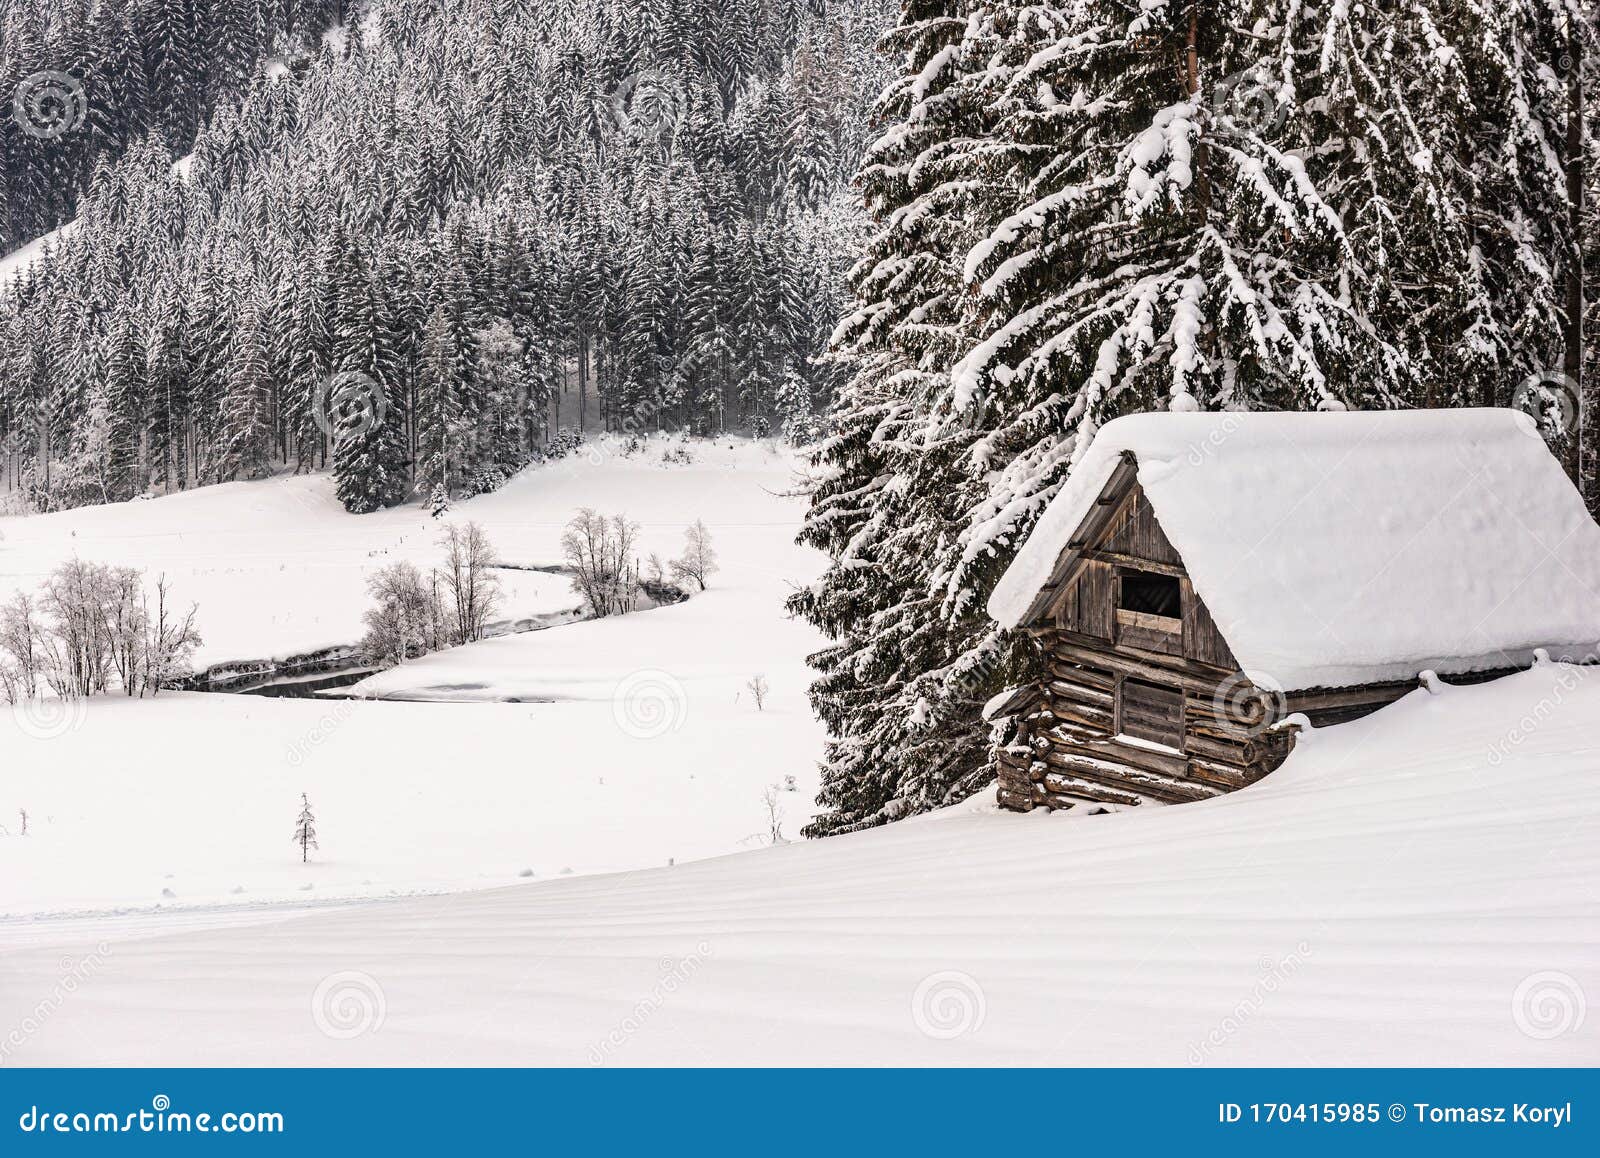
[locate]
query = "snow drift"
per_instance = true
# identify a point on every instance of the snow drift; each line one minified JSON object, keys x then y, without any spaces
{"x":1418,"y":887}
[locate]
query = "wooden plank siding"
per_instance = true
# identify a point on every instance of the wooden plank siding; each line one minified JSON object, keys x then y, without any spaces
{"x":1112,"y":673}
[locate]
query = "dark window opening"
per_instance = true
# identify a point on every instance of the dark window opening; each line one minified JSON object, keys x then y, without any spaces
{"x":1151,"y":594}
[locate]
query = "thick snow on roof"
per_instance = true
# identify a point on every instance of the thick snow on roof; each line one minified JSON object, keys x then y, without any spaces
{"x":1346,"y":548}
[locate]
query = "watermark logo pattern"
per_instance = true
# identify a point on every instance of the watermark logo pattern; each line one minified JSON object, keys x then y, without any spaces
{"x":649,"y":704}
{"x":1552,"y":400}
{"x":1249,"y":702}
{"x":949,"y":1004}
{"x":348,"y":1004}
{"x":349,"y":405}
{"x":49,"y":104}
{"x":49,"y":717}
{"x":1548,"y":1005}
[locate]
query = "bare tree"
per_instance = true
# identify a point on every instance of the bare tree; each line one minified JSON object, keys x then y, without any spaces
{"x":169,"y":641}
{"x":78,"y":649}
{"x":772,"y":799}
{"x":600,"y":553}
{"x":467,"y":582}
{"x":698,"y":560}
{"x":409,"y":617}
{"x":758,"y":689}
{"x":21,"y":638}
{"x":122,"y":607}
{"x":99,"y":627}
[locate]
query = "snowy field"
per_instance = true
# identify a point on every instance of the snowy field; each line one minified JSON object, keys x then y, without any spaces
{"x":1416,"y":887}
{"x":652,"y":751}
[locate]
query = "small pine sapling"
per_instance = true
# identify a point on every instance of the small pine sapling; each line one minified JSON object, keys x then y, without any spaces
{"x":305,"y":829}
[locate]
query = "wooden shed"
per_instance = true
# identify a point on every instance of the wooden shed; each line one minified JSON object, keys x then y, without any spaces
{"x":1206,"y":584}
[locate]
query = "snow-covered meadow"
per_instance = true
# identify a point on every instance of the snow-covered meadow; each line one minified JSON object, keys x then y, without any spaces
{"x":652,"y":750}
{"x":1417,"y":887}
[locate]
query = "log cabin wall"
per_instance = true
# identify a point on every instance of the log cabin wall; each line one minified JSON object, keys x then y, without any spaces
{"x":1147,"y":704}
{"x":1134,"y":703}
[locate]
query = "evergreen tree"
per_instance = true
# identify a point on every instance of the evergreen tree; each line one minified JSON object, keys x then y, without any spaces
{"x":439,"y":391}
{"x":305,"y":829}
{"x":1087,"y":210}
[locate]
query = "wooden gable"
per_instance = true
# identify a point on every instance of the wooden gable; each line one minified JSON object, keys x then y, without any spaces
{"x":1121,"y":535}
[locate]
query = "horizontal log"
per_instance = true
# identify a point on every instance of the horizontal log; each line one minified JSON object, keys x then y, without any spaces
{"x":1108,"y":748}
{"x":1134,"y":563}
{"x":1094,"y":719}
{"x":1222,"y":775}
{"x":1100,"y":679}
{"x":1162,"y":788}
{"x":1192,"y":677}
{"x":1019,"y":779}
{"x":1014,"y":802}
{"x":1058,"y":786}
{"x":1241,"y":753}
{"x":1080,"y":693}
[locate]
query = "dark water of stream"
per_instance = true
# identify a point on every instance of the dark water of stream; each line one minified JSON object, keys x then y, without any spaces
{"x":309,"y":687}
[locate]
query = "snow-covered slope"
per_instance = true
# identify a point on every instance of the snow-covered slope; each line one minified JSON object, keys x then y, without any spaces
{"x":651,"y":749}
{"x":278,"y":567}
{"x":20,"y":260}
{"x":1422,"y":886}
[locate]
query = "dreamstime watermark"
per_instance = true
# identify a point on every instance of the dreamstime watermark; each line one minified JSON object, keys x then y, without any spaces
{"x":350,"y":404}
{"x":1548,"y":1005}
{"x":1568,"y":678}
{"x":349,"y":1003}
{"x":1552,"y":399}
{"x":49,"y":104}
{"x":646,"y":106}
{"x":1248,"y":703}
{"x":159,"y":1118}
{"x":325,"y":727}
{"x":74,"y":974}
{"x":649,"y":704}
{"x":1273,"y":973}
{"x":1215,"y":437}
{"x":1248,"y":100}
{"x":949,"y":1004}
{"x":675,"y":974}
{"x":49,"y":717}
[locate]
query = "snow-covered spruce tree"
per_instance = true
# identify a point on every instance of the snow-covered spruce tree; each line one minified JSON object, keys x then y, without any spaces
{"x":1175,"y":205}
{"x":305,"y":829}
{"x":439,"y":392}
{"x":1590,"y":239}
{"x":247,"y":417}
{"x":369,"y":451}
{"x":873,"y":508}
{"x":1502,"y":80}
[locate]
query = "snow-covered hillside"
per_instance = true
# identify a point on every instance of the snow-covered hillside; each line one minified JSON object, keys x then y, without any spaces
{"x":278,"y":567}
{"x":1415,"y":887}
{"x":652,"y":749}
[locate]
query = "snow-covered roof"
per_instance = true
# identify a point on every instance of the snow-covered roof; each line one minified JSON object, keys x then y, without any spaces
{"x":1347,"y":548}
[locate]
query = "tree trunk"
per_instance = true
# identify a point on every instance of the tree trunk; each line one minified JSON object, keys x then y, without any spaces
{"x":1202,"y":192}
{"x":1581,"y":449}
